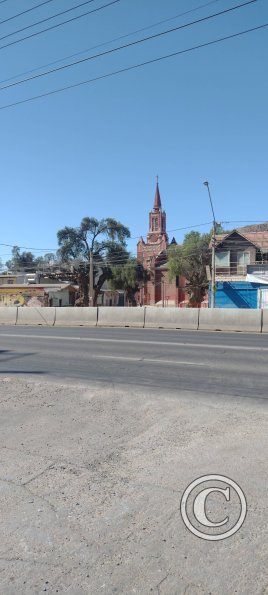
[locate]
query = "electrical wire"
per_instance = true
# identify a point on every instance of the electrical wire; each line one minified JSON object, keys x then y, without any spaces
{"x":56,"y":26}
{"x":107,"y":42}
{"x":44,"y":20}
{"x":134,"y":67}
{"x":125,"y":261}
{"x":127,"y":45}
{"x":191,"y":227}
{"x":19,"y":14}
{"x":130,"y":238}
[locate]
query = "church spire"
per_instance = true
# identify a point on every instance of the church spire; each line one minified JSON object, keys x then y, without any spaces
{"x":157,"y":199}
{"x":157,"y":219}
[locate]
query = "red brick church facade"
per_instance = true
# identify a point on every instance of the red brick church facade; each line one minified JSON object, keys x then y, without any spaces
{"x":158,"y":290}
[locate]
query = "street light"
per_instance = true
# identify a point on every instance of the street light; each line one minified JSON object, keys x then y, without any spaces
{"x":213,"y":249}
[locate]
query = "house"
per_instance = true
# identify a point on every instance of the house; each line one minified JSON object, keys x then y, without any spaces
{"x":37,"y":295}
{"x":8,"y":279}
{"x":241,"y":268}
{"x":109,"y":297}
{"x":19,"y":278}
{"x":158,"y":290}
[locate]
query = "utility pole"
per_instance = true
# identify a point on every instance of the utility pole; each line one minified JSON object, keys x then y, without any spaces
{"x":213,"y":275}
{"x":163,"y":292}
{"x":91,"y":282}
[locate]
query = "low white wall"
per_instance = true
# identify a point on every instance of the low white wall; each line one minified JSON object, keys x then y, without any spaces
{"x":36,"y":316}
{"x":176,"y":318}
{"x":8,"y":314}
{"x":217,"y":319}
{"x":76,"y":316}
{"x":265,"y":321}
{"x":120,"y":316}
{"x":230,"y":319}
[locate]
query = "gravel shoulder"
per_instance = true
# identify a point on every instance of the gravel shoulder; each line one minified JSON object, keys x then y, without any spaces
{"x":91,"y":479}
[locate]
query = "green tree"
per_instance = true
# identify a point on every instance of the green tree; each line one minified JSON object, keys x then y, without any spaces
{"x":21,"y":261}
{"x":189,"y":260}
{"x":128,"y":277}
{"x":106,"y":239}
{"x":45,"y":262}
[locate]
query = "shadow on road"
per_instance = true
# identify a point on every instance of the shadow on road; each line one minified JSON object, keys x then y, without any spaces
{"x":13,"y":355}
{"x":30,"y":372}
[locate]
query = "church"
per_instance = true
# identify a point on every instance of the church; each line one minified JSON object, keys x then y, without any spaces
{"x":158,"y":290}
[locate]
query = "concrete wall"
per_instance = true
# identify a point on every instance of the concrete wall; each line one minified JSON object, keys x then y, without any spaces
{"x":230,"y":319}
{"x":76,"y":316}
{"x":217,"y":319}
{"x":133,"y":317}
{"x":8,"y":315}
{"x":176,"y":318}
{"x":36,"y":316}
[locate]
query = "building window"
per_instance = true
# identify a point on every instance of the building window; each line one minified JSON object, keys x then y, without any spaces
{"x":243,"y":258}
{"x":222,"y":259}
{"x":155,"y":224}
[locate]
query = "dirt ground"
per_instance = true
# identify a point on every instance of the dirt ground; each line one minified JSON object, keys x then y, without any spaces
{"x":91,"y":479}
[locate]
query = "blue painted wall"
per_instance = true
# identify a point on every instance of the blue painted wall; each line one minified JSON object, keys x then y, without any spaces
{"x":238,"y":294}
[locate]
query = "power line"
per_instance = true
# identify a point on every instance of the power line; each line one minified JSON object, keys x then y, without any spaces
{"x":131,"y":44}
{"x":182,"y":228}
{"x":54,"y":26}
{"x":131,"y":238}
{"x":19,"y":14}
{"x":109,"y":41}
{"x":29,"y":248}
{"x":253,"y":221}
{"x":105,"y":262}
{"x":134,"y":237}
{"x":134,"y":67}
{"x":44,"y":20}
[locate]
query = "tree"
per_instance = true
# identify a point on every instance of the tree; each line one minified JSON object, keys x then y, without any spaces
{"x":105,"y":239}
{"x":21,"y":261}
{"x":189,"y":260}
{"x":128,"y":277}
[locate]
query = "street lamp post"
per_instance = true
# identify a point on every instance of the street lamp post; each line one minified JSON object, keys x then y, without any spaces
{"x":91,"y":279}
{"x":213,"y":249}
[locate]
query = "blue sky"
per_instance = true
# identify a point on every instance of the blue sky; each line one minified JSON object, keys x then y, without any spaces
{"x":95,"y":150}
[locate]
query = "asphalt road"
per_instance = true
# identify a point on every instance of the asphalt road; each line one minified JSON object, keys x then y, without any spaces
{"x":213,"y":363}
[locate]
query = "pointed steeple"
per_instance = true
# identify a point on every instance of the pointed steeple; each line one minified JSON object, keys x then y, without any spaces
{"x":157,"y":219}
{"x":157,"y":199}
